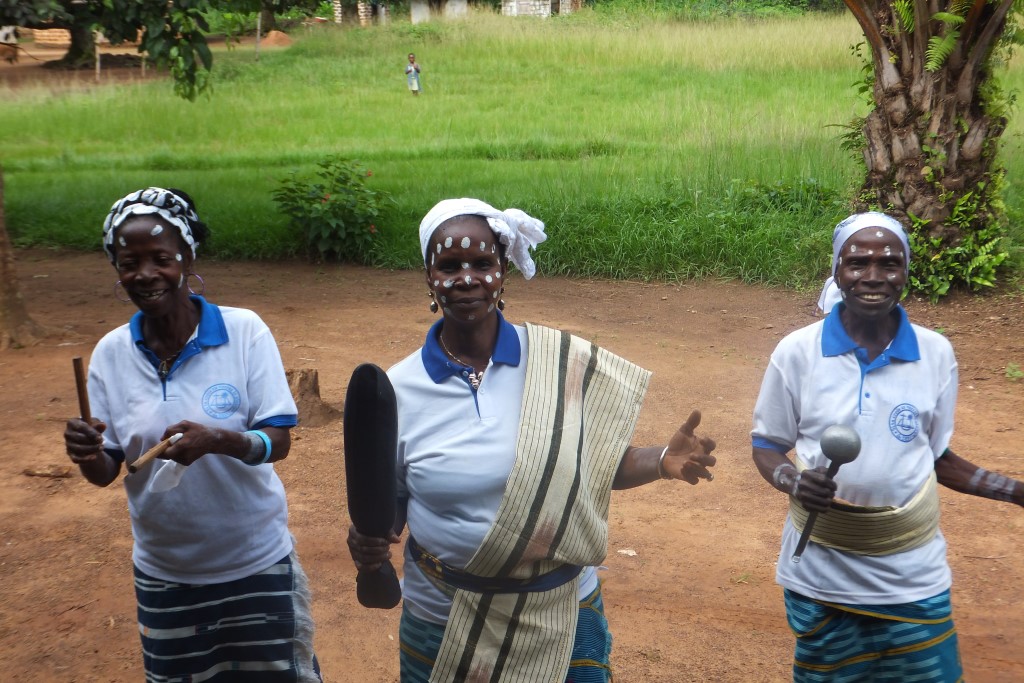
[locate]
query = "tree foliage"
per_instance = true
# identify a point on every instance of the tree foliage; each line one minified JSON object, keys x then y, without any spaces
{"x":169,"y":33}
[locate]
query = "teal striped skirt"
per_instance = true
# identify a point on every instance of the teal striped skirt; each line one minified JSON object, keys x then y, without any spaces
{"x":839,"y":643}
{"x":420,"y":641}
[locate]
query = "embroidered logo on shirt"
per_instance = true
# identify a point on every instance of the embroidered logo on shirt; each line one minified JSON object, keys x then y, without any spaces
{"x":220,"y":401}
{"x":903,"y":422}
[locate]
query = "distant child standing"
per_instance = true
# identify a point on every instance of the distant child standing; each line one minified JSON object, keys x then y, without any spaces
{"x":412,"y":74}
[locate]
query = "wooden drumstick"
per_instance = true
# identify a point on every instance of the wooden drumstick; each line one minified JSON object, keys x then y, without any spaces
{"x":83,"y":394}
{"x":154,"y":452}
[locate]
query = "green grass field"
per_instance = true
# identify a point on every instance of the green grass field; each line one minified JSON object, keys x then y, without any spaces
{"x":650,"y":149}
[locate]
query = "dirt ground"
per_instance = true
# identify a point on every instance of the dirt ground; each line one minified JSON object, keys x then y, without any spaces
{"x":117,"y":65}
{"x":696,"y":602}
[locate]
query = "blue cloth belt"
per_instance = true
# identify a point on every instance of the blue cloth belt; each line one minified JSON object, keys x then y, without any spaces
{"x":441,"y":571}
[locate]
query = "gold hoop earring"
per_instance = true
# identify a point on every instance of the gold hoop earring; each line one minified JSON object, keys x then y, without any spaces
{"x":201,"y":282}
{"x":124,"y":301}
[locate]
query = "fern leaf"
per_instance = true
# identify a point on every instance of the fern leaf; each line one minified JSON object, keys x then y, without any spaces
{"x":948,"y":19}
{"x":904,"y":11}
{"x":960,"y":7}
{"x":939,"y":50}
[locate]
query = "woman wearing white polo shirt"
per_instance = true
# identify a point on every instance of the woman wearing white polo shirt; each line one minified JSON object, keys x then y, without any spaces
{"x":221,"y":595}
{"x":510,"y":440}
{"x":869,"y":599}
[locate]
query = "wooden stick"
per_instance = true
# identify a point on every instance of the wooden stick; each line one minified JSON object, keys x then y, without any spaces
{"x":153,"y":453}
{"x":83,"y":394}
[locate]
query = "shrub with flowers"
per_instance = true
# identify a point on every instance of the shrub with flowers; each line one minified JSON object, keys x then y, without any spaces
{"x":334,"y":209}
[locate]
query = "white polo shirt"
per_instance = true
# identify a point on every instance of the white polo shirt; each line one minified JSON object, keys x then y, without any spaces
{"x":226,"y":520}
{"x":901,"y":404}
{"x":456,"y":449}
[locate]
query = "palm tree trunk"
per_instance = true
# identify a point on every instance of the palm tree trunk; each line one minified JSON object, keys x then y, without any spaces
{"x":17,"y":329}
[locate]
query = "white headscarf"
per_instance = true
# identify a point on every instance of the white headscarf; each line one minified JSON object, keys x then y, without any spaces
{"x":830,"y":294}
{"x":515,"y":229}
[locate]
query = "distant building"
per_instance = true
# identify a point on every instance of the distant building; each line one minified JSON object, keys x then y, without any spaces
{"x":424,"y":10}
{"x":539,"y":8}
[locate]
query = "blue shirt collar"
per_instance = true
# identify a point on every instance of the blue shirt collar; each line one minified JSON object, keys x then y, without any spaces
{"x":507,"y":351}
{"x":211,"y":332}
{"x":835,"y":341}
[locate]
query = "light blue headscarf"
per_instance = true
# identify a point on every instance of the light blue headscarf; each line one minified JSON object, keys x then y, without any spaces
{"x":830,"y":294}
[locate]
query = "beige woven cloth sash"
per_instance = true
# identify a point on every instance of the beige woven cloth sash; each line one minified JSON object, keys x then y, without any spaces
{"x":875,"y":530}
{"x":579,"y":410}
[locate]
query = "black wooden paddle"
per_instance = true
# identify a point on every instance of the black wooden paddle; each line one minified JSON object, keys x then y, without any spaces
{"x":371,"y":445}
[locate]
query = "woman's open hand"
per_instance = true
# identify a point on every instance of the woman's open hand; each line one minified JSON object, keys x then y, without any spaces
{"x":689,"y":456}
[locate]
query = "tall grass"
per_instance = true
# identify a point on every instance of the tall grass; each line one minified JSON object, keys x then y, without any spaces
{"x":650,"y":149}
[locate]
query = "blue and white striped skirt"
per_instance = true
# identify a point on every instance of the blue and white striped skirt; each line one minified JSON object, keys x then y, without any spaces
{"x":254,"y":630}
{"x":420,"y":641}
{"x":840,"y":643}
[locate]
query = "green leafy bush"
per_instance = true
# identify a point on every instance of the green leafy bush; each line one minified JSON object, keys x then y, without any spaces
{"x":333,"y":209}
{"x":973,"y":262}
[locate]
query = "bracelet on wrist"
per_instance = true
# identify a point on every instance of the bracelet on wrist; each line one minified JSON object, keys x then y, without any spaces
{"x":661,"y":465}
{"x":786,"y":478}
{"x":259,"y":447}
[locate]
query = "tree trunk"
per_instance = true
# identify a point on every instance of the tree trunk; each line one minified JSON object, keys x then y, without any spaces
{"x":82,"y":51}
{"x":930,"y":145}
{"x":16,"y":327}
{"x":267,"y":18}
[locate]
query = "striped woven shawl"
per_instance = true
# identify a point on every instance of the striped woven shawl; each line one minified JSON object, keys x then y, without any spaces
{"x":580,"y":407}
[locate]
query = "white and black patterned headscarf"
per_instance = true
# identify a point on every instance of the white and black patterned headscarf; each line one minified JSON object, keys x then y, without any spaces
{"x":171,"y":207}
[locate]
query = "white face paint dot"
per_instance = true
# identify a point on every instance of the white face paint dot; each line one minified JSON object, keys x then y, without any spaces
{"x":157,"y":229}
{"x":448,"y":284}
{"x":177,"y":257}
{"x":871,"y":252}
{"x":483,"y":246}
{"x":120,"y":240}
{"x":879,"y":233}
{"x":465,"y":243}
{"x":438,"y":247}
{"x":493,"y":247}
{"x":444,"y":299}
{"x":490,"y":307}
{"x":472,"y":317}
{"x":468,"y":280}
{"x":853,"y":248}
{"x":465,"y":265}
{"x":494,"y":295}
{"x":437,"y":282}
{"x":498,"y":274}
{"x":489,"y":279}
{"x":888,"y":251}
{"x":840,"y":260}
{"x":447,"y":242}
